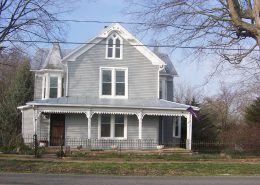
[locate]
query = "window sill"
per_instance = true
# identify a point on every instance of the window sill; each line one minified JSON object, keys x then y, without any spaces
{"x":114,"y":58}
{"x":112,"y":138}
{"x":114,"y":97}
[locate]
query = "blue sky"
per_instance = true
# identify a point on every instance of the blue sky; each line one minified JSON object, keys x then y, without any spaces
{"x":112,"y":10}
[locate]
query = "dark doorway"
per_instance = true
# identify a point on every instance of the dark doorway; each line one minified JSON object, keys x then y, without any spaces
{"x":57,"y":129}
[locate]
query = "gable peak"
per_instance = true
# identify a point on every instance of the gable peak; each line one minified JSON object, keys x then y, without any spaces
{"x":115,"y":27}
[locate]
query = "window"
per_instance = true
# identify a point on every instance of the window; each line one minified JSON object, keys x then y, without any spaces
{"x":106,"y":82}
{"x":120,"y":83}
{"x":113,"y":82}
{"x":53,"y":87}
{"x":105,"y":126}
{"x":114,"y":47}
{"x":119,"y":125}
{"x":112,"y":126}
{"x":176,"y":123}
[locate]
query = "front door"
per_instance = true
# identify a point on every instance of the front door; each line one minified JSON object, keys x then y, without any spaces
{"x":57,"y":129}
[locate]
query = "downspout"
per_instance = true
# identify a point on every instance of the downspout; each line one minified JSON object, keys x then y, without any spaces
{"x":173,"y":94}
{"x":67,"y":80}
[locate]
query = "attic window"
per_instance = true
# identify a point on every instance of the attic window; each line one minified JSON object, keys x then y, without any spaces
{"x":114,"y":47}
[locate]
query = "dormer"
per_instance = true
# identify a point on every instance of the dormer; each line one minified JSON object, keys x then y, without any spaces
{"x":49,"y":81}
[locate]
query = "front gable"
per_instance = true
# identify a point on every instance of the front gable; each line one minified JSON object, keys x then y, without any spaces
{"x":85,"y":73}
{"x":125,"y":35}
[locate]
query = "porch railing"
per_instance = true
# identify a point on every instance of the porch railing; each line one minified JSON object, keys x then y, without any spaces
{"x":146,"y":144}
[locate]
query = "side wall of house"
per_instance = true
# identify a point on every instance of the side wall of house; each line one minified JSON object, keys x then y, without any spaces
{"x":27,"y":123}
{"x":84,"y":73}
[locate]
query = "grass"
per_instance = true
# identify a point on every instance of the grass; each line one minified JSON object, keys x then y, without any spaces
{"x":149,"y":157}
{"x":137,"y":169}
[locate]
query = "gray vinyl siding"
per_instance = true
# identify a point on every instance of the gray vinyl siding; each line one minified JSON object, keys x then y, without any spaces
{"x":151,"y":127}
{"x":38,"y":87}
{"x":27,"y":127}
{"x":84,"y":72}
{"x":132,"y":127}
{"x":76,"y":126}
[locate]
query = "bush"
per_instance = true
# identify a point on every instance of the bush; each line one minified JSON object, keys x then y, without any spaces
{"x":8,"y":149}
{"x":60,"y":153}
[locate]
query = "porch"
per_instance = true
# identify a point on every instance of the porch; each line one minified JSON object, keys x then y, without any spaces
{"x":96,"y":125}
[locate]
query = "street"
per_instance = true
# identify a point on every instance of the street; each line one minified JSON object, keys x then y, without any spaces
{"x":36,"y":179}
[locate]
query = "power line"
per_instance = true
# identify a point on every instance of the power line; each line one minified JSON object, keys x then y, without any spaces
{"x":102,"y":22}
{"x":137,"y":45}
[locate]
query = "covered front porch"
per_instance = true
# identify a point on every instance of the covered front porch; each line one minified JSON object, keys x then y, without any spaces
{"x":87,"y":126}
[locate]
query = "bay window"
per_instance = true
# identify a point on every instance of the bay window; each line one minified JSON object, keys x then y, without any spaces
{"x":52,"y":86}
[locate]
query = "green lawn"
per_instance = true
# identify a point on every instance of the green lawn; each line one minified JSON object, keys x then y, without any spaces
{"x":151,"y":157}
{"x":138,"y":169}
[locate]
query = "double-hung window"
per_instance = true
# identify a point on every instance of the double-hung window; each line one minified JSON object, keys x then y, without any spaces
{"x":114,"y":47}
{"x":112,"y":126}
{"x":114,"y":82}
{"x":105,"y":126}
{"x":53,"y":87}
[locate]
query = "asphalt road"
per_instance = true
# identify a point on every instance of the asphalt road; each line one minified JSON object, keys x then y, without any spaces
{"x":36,"y":179}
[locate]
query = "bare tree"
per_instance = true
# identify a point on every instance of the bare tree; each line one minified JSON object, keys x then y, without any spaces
{"x":219,"y":25}
{"x":185,"y":93}
{"x":28,"y":20}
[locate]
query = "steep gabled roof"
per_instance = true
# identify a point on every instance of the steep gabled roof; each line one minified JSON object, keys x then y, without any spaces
{"x":53,"y":60}
{"x":43,"y":58}
{"x":155,"y":60}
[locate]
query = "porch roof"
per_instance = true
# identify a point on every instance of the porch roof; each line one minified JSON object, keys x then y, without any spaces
{"x":116,"y":103}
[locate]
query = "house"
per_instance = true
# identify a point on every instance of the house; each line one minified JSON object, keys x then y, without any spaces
{"x":112,"y":90}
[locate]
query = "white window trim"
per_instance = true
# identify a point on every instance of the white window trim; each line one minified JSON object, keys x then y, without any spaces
{"x":114,"y":47}
{"x":112,"y":128}
{"x":46,"y":85}
{"x":176,"y":120}
{"x":113,"y":95}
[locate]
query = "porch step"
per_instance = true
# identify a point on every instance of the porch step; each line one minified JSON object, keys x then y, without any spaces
{"x":52,"y":149}
{"x":176,"y":151}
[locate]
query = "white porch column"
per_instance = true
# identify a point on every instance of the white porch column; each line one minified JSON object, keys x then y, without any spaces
{"x":189,"y":131}
{"x":89,"y":115}
{"x":140,"y":125}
